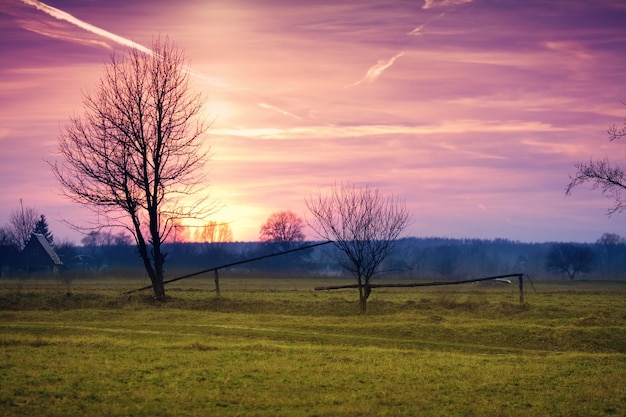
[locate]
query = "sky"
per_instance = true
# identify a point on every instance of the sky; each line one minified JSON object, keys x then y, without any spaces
{"x":473,"y":112}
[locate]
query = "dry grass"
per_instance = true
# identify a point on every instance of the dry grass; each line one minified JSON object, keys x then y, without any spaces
{"x":278,"y":348}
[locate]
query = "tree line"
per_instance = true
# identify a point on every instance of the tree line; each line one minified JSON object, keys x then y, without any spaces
{"x":420,"y":258}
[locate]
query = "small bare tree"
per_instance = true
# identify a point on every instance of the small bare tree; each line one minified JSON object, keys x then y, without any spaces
{"x":611,"y":179}
{"x":214,"y":233}
{"x":570,"y":258}
{"x":283,"y":228}
{"x":363,"y":225}
{"x":23,"y":221}
{"x":137,"y":152}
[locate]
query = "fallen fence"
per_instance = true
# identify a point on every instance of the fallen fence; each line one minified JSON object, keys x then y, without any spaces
{"x":217,"y":268}
{"x":520,"y":278}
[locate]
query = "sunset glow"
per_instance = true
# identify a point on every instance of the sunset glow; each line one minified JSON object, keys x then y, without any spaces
{"x":474,"y":112}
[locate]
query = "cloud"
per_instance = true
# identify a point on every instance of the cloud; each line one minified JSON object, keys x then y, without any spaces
{"x":337,"y":132}
{"x":433,"y":4}
{"x":418,"y":30}
{"x":376,"y":70}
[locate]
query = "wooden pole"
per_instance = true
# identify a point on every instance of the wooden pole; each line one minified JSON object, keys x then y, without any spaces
{"x":217,"y":283}
{"x":147,"y":287}
{"x":520,"y":278}
{"x":419,"y":284}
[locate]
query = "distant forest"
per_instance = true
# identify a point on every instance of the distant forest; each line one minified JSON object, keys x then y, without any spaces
{"x":415,"y":258}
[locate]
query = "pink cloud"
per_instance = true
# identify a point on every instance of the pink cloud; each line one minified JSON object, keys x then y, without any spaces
{"x":376,"y":70}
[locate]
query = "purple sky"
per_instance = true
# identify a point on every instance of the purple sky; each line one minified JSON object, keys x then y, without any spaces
{"x":474,"y":112}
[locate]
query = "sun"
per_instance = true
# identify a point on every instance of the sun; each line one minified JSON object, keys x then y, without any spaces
{"x":218,"y":111}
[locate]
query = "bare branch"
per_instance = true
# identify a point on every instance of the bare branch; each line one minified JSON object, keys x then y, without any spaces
{"x":609,"y":179}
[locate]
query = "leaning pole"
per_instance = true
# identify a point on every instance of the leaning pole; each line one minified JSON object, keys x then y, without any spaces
{"x":217,"y":287}
{"x":520,"y":278}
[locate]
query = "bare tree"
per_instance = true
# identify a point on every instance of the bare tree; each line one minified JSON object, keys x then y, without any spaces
{"x":611,"y":239}
{"x":569,"y":258}
{"x":23,"y":221}
{"x":611,"y":254}
{"x":609,"y":178}
{"x":363,"y":224}
{"x":284,"y":228}
{"x":137,"y":153}
{"x":214,"y":233}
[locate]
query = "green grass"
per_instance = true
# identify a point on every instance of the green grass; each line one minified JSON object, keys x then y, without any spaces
{"x":278,"y":348}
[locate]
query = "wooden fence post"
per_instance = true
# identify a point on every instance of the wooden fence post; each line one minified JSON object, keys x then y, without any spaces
{"x":521,"y":288}
{"x":217,"y":283}
{"x":229,"y":265}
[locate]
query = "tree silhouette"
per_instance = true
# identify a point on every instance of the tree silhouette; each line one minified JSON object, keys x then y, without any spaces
{"x":363,"y":224}
{"x":23,"y":221}
{"x":611,"y":251}
{"x":284,"y":228}
{"x":42,"y":228}
{"x":137,"y":155}
{"x":214,"y":233}
{"x":570,"y":259}
{"x":9,"y":251}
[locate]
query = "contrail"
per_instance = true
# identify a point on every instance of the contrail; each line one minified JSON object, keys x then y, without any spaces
{"x":431,"y":4}
{"x":376,"y":70}
{"x":279,"y":110}
{"x":61,"y":15}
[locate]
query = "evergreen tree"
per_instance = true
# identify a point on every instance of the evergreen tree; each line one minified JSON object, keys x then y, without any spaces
{"x":41,"y":227}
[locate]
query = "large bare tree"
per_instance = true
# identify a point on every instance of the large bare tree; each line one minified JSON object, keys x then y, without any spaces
{"x":137,"y":154}
{"x":363,"y":225}
{"x":603,"y":175}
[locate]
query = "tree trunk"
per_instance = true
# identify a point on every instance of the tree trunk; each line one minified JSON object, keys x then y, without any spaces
{"x":363,"y":305}
{"x":158,"y":289}
{"x":571,"y":272}
{"x":158,"y":285}
{"x":155,"y":272}
{"x":364,"y":293}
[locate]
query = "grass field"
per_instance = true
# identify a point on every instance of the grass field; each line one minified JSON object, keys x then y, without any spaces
{"x":278,"y":348}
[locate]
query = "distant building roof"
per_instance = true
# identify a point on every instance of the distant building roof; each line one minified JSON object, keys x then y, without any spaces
{"x":38,"y":251}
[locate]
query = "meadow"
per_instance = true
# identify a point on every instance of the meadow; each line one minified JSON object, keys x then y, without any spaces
{"x":276,"y":347}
